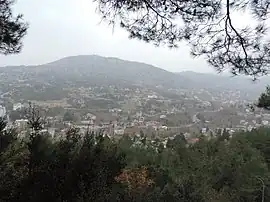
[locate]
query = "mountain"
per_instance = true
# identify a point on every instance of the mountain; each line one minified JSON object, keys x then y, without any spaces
{"x":111,"y":70}
{"x":93,"y":69}
{"x":225,"y":82}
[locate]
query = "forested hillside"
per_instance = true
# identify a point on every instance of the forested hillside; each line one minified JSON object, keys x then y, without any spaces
{"x":93,"y":69}
{"x":93,"y":167}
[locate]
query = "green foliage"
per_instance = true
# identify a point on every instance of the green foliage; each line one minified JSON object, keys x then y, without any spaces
{"x":264,"y":99}
{"x":69,"y":116}
{"x":12,"y":29}
{"x":72,"y":169}
{"x":40,"y":93}
{"x":260,"y":139}
{"x":179,"y":141}
{"x":96,"y":168}
{"x":208,"y":27}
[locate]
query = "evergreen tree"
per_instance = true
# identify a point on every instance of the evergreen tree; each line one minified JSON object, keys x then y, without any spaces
{"x":12,"y":29}
{"x":208,"y":26}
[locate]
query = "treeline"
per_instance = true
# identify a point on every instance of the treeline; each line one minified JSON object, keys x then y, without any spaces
{"x":96,"y":168}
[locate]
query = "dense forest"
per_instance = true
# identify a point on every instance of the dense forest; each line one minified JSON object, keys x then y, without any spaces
{"x":93,"y":167}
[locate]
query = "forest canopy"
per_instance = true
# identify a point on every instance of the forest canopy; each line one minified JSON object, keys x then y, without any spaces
{"x":93,"y":167}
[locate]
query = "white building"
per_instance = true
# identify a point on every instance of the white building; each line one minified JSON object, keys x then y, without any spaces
{"x":91,"y":116}
{"x":242,"y":121}
{"x":21,"y":123}
{"x":17,"y":106}
{"x":164,"y":127}
{"x":249,"y":128}
{"x":51,"y":131}
{"x":204,"y":130}
{"x":90,"y":122}
{"x":152,"y":97}
{"x":162,"y":116}
{"x":231,"y":131}
{"x":119,"y":131}
{"x":2,"y":111}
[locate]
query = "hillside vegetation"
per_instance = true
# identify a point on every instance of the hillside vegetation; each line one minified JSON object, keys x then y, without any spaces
{"x":94,"y":69}
{"x":92,"y":167}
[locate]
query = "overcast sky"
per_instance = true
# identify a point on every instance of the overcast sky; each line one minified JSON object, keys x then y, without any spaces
{"x":60,"y":28}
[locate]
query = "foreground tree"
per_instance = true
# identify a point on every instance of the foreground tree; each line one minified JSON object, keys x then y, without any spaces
{"x":264,"y":99}
{"x":12,"y":29}
{"x":6,"y":136}
{"x":207,"y":25}
{"x":96,"y":168}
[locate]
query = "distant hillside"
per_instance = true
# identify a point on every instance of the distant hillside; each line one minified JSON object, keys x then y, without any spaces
{"x":219,"y":81}
{"x":113,"y":69}
{"x":105,"y":70}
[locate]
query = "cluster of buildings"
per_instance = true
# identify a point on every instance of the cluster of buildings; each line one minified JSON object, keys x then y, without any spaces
{"x":116,"y":111}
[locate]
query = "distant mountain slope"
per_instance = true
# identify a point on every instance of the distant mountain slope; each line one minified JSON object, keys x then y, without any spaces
{"x":218,"y":81}
{"x":113,"y":69}
{"x":106,"y":70}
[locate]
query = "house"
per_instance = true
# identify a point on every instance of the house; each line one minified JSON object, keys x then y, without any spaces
{"x":231,"y":131}
{"x":91,"y":116}
{"x":249,"y":128}
{"x":90,"y":122}
{"x":2,"y":111}
{"x":162,"y":116}
{"x":204,"y":130}
{"x":119,"y":131}
{"x":164,"y":127}
{"x":141,"y":119}
{"x":44,"y":131}
{"x":51,"y":131}
{"x":17,"y":106}
{"x":152,"y":97}
{"x":242,"y":121}
{"x":21,"y":124}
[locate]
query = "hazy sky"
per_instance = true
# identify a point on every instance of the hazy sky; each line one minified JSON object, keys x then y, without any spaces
{"x":60,"y":28}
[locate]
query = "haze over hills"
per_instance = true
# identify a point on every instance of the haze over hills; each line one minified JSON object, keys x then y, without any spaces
{"x":98,"y":69}
{"x":130,"y":93}
{"x":227,"y":81}
{"x":108,"y":70}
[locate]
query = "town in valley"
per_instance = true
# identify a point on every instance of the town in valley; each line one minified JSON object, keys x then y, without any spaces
{"x":116,"y":97}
